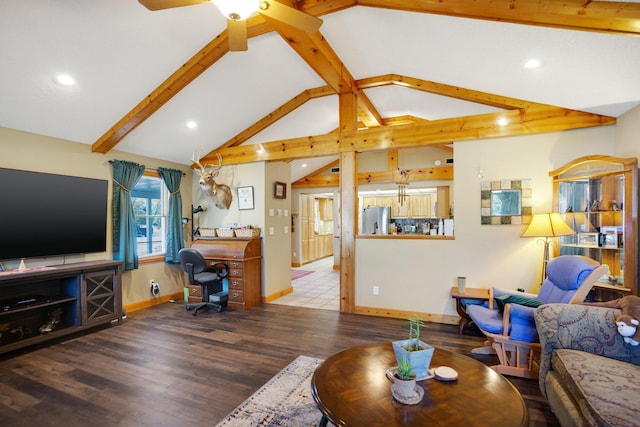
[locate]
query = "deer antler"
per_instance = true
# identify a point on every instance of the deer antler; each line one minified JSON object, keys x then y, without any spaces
{"x":197,"y":161}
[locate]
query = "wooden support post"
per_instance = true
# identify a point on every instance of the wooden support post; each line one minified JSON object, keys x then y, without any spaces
{"x":348,"y":206}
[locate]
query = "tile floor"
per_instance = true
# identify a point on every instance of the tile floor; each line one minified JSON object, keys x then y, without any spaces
{"x":320,"y":289}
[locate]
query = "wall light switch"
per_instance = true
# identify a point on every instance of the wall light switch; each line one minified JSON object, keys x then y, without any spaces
{"x":271,"y":212}
{"x":286,"y":229}
{"x":279,"y":211}
{"x":286,"y":212}
{"x":272,"y":231}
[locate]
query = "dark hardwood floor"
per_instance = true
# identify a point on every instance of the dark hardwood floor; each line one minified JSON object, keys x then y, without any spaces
{"x":164,"y":367}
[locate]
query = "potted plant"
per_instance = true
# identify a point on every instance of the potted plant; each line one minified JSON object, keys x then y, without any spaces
{"x":404,"y":379}
{"x":417,"y":352}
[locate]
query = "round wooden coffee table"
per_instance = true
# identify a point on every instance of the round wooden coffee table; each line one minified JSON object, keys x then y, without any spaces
{"x":351,"y":389}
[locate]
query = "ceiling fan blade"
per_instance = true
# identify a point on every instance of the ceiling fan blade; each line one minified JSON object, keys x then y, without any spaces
{"x":294,"y":17}
{"x":237,"y":35}
{"x":168,"y":4}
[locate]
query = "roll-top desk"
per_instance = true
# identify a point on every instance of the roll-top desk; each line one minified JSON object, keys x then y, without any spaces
{"x":243,"y":256}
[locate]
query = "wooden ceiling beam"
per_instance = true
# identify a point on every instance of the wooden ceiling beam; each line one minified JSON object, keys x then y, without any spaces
{"x":190,"y":70}
{"x":600,"y":16}
{"x":421,"y":174}
{"x":437,"y":132}
{"x":315,"y":175}
{"x":320,"y":56}
{"x":446,"y":147}
{"x":278,"y":113}
{"x":444,"y":90}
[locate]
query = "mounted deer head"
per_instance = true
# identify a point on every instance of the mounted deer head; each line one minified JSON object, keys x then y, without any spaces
{"x":219,"y":193}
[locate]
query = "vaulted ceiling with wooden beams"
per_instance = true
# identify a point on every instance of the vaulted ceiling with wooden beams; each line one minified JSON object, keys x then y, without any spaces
{"x":378,"y":75}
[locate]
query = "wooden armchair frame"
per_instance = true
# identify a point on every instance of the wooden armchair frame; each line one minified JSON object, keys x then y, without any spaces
{"x":521,"y":358}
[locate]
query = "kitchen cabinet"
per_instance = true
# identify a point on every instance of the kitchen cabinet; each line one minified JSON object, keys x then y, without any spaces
{"x":385,"y":201}
{"x":400,"y":210}
{"x":314,"y":245}
{"x":325,"y":207}
{"x":597,"y":197}
{"x":422,"y":205}
{"x":414,"y":206}
{"x":443,"y":205}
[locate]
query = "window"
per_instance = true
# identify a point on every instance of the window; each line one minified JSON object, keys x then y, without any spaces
{"x":149,"y":198}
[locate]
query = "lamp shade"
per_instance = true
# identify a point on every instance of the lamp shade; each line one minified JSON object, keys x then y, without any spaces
{"x":237,"y":9}
{"x":547,"y":225}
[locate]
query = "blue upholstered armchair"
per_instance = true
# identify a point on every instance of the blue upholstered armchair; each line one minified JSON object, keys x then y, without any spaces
{"x":509,"y":324}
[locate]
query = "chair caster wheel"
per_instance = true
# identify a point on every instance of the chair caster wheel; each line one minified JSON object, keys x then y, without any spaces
{"x":194,"y":313}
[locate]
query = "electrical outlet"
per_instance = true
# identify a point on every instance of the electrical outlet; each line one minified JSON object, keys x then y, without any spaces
{"x":376,"y":290}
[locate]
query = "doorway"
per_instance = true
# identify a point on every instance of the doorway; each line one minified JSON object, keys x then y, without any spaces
{"x":315,"y":285}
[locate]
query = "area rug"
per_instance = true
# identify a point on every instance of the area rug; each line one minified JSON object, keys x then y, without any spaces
{"x":285,"y":400}
{"x":296,"y":274}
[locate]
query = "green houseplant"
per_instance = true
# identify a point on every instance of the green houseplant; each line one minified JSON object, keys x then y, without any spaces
{"x":417,"y":352}
{"x":404,"y":379}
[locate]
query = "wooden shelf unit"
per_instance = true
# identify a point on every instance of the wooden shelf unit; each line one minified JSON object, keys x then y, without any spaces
{"x":612,"y":183}
{"x":45,"y":303}
{"x":244,"y":258}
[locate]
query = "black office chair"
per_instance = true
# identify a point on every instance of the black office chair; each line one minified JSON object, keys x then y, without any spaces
{"x":211,"y":282}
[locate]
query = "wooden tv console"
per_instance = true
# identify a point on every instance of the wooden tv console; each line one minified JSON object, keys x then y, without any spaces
{"x":44,"y":303}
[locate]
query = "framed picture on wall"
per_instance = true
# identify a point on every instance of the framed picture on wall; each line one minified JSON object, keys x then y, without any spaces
{"x":280,"y":191}
{"x":245,"y":198}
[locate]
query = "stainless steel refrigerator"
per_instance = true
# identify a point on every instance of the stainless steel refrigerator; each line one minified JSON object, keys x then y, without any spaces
{"x":375,"y":220}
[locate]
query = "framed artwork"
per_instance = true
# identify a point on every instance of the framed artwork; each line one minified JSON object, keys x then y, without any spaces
{"x":505,"y":201}
{"x":245,"y":198}
{"x":280,"y":190}
{"x":590,"y":240}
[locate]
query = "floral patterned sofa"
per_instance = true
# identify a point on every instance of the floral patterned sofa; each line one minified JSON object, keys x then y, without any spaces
{"x":589,"y":375}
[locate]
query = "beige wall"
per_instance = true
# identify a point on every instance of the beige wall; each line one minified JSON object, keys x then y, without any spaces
{"x":22,"y":150}
{"x":418,"y":275}
{"x":276,"y":247}
{"x":412,"y":275}
{"x":628,"y":134}
{"x":249,"y":174}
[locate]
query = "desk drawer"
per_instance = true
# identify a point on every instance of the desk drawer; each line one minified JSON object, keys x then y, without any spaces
{"x":236,"y":272}
{"x":236,"y":283}
{"x":194,"y":299}
{"x":236,"y":295}
{"x":195,"y":291}
{"x":235,"y":264}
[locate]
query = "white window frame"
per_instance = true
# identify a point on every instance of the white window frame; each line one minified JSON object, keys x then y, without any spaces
{"x":163,"y":216}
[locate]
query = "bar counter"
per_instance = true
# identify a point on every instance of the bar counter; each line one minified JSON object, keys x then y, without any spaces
{"x":406,"y":236}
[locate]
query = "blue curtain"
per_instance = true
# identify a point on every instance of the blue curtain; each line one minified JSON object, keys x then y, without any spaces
{"x":125,"y":178}
{"x":175,"y":239}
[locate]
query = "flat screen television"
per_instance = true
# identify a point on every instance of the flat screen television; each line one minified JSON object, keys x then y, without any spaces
{"x":43,"y":214}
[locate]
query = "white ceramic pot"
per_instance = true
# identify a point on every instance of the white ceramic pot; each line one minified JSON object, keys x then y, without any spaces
{"x":405,"y":388}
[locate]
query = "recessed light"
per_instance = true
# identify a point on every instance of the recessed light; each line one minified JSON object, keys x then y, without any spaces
{"x":532,"y":63}
{"x":65,"y":80}
{"x":502,"y":121}
{"x":304,"y":165}
{"x":437,"y":162}
{"x":191,"y":124}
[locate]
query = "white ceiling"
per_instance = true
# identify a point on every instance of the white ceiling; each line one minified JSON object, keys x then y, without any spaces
{"x":119,"y":52}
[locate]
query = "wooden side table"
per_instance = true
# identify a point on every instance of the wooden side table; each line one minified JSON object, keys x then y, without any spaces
{"x":474,"y":294}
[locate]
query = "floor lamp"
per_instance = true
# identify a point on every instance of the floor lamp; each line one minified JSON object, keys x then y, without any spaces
{"x":547,"y":226}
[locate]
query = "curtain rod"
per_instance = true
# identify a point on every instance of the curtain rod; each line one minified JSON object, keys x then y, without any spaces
{"x":151,"y":169}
